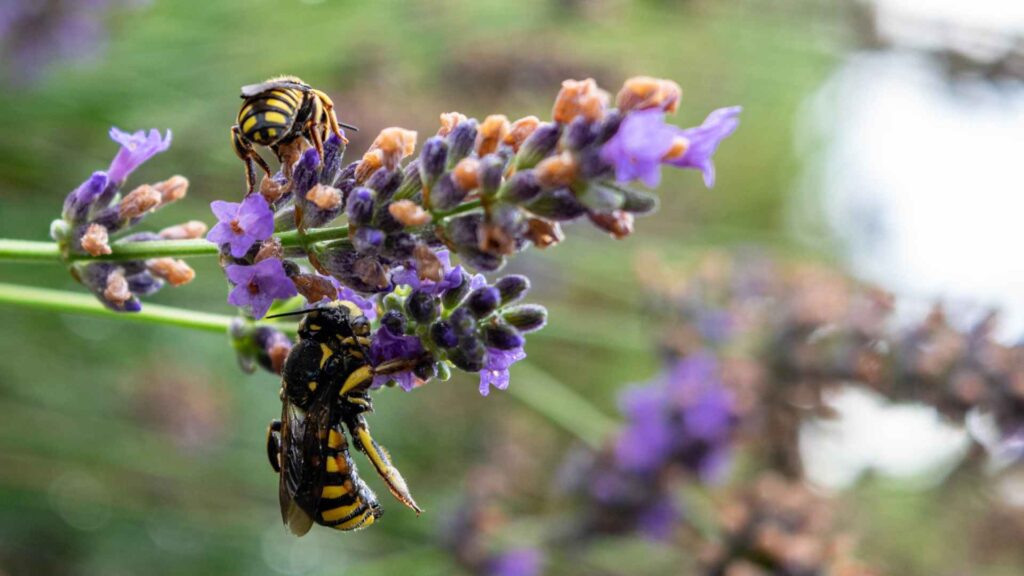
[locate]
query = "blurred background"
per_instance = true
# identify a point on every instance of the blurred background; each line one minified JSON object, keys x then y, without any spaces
{"x":880,"y":137}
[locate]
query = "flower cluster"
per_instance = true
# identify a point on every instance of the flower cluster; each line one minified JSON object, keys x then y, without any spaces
{"x":477,"y":191}
{"x":97,"y":211}
{"x":779,"y":527}
{"x":684,"y":420}
{"x":468,"y":536}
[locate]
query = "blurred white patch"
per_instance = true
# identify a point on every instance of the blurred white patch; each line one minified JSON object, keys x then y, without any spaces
{"x":906,"y":441}
{"x":285,"y":553}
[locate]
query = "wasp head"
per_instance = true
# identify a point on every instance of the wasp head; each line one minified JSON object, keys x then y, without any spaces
{"x":340,"y":317}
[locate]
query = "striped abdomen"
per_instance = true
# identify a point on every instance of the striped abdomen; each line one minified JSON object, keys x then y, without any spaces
{"x":346,"y":502}
{"x":268,"y":117}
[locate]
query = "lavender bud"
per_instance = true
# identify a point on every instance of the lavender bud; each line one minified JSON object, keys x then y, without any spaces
{"x":521,"y":188}
{"x":539,"y":145}
{"x":469,"y":355}
{"x":512,"y":287}
{"x":483,"y":301}
{"x":393,"y":321}
{"x":432,"y":159}
{"x":367,"y":239}
{"x":425,"y":370}
{"x":454,"y":295}
{"x":579,"y":134}
{"x":400,"y":245}
{"x":559,"y":204}
{"x":334,"y":151}
{"x":422,"y":307}
{"x":385,"y":182}
{"x":638,"y":202}
{"x":360,"y":206}
{"x":443,"y":334}
{"x":609,"y":126}
{"x":526,"y":317}
{"x":80,"y":200}
{"x":591,"y":166}
{"x":412,"y":181}
{"x":462,"y":322}
{"x":491,"y":168}
{"x":446,"y":194}
{"x":304,"y":175}
{"x":461,"y":142}
{"x":502,"y":337}
{"x":599,"y":198}
{"x":284,"y":219}
{"x":348,"y":172}
{"x":290,"y":268}
{"x":394,"y":302}
{"x":144,"y":284}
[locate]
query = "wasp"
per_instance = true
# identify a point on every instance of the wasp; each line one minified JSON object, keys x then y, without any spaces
{"x":324,"y":394}
{"x":277,"y":112}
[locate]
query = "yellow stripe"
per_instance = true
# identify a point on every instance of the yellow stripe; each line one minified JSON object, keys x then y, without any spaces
{"x":327,"y":353}
{"x":357,"y":522}
{"x":280,"y":105}
{"x":274,"y":117}
{"x":356,"y":378}
{"x":334,"y":439}
{"x":249,"y":124}
{"x":333,"y":492}
{"x":245,"y":112}
{"x":332,"y":464}
{"x":335,"y":514}
{"x":286,"y":95}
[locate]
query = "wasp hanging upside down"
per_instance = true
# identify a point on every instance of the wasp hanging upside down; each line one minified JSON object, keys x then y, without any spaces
{"x":324,"y":392}
{"x":275,"y":113}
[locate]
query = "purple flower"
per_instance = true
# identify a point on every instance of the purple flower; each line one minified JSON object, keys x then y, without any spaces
{"x":241,"y":225}
{"x":345,"y":293}
{"x":704,"y":140}
{"x":135,"y":149}
{"x":495,"y":372}
{"x":388,"y":346}
{"x":258,"y":285}
{"x":660,"y":519}
{"x":450,"y":277}
{"x":646,"y":441}
{"x":637,"y":149}
{"x":518,"y":562}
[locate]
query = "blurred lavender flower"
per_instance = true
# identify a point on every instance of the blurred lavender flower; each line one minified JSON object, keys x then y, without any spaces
{"x":495,"y":372}
{"x":517,"y":562}
{"x":637,"y":149}
{"x":240,"y":226}
{"x":258,"y":285}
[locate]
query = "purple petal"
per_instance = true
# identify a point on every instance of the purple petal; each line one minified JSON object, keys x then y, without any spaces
{"x":136,"y":148}
{"x":704,"y":141}
{"x":239,"y":274}
{"x":225,"y":211}
{"x":256,"y":217}
{"x":495,"y":372}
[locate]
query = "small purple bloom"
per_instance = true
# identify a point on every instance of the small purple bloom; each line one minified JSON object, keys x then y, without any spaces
{"x":258,"y":285}
{"x":450,"y":277}
{"x":637,"y":149}
{"x":660,"y":519}
{"x":241,"y":225}
{"x":518,"y":562}
{"x":704,"y":140}
{"x":136,"y":148}
{"x":388,"y":346}
{"x":646,"y":441}
{"x":368,"y":307}
{"x":495,"y":372}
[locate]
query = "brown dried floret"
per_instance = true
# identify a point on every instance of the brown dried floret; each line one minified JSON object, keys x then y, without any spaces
{"x":520,"y":131}
{"x":492,"y":132}
{"x":95,"y":241}
{"x":176,"y":272}
{"x":580,"y":98}
{"x":643,"y":92}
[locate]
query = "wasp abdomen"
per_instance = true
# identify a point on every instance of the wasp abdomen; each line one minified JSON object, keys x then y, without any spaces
{"x":346,"y":502}
{"x":269,"y":116}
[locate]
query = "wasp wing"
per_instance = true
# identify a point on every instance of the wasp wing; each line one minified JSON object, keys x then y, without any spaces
{"x":253,"y":89}
{"x":303,"y":441}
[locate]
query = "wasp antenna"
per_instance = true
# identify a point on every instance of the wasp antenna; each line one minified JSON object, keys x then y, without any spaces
{"x":349,"y":126}
{"x":295,"y":313}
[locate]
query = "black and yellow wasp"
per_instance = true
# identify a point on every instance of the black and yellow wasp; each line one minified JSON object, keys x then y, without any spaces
{"x":276,"y":112}
{"x":324,"y":393}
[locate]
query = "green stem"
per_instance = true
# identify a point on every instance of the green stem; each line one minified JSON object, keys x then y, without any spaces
{"x":31,"y":251}
{"x":76,"y":303}
{"x":561,"y":405}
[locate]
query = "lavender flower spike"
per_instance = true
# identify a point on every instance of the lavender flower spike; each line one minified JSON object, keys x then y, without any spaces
{"x":495,"y":372}
{"x":258,"y":285}
{"x":703,"y":140}
{"x":241,"y":225}
{"x":136,"y":148}
{"x":638,"y":148}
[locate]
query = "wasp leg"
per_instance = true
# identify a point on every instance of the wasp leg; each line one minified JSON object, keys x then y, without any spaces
{"x":312,"y":128}
{"x":274,"y":445}
{"x":245,"y":151}
{"x":361,"y":378}
{"x":332,"y":119}
{"x":381,"y":461}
